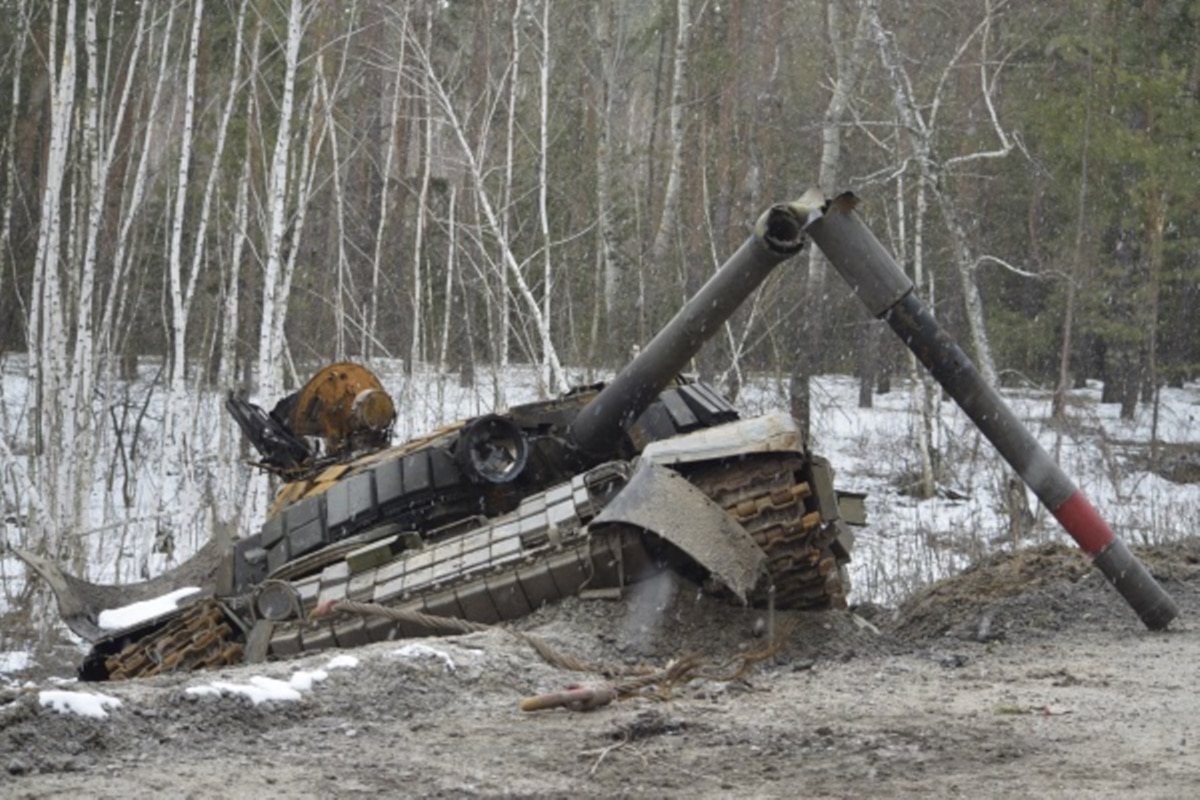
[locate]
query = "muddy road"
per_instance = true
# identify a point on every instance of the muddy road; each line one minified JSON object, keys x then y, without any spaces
{"x":1025,"y":676}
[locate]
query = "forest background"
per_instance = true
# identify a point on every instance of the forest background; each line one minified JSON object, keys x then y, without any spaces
{"x":202,"y":195}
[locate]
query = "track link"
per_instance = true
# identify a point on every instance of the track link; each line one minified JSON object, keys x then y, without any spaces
{"x":768,"y":495}
{"x":201,"y":637}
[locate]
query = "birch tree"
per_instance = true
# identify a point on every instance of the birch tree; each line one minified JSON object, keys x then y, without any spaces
{"x":668,"y":220}
{"x":921,"y":125}
{"x":369,"y":339}
{"x":46,"y":323}
{"x":179,"y":283}
{"x":848,"y":63}
{"x":275,"y":282}
{"x":544,"y":183}
{"x":446,"y":107}
{"x":920,"y":122}
{"x":610,"y":45}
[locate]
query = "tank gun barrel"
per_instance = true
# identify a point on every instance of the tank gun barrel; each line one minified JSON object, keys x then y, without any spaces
{"x":883,"y":287}
{"x":778,"y":235}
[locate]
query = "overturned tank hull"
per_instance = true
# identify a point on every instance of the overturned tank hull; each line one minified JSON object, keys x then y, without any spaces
{"x":741,"y":508}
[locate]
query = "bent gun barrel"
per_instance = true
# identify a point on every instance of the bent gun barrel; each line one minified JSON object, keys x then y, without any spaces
{"x":887,"y":292}
{"x":778,"y":235}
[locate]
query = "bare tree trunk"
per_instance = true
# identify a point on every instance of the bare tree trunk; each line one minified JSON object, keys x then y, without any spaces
{"x":1156,"y":225}
{"x":416,"y":354}
{"x":370,"y":334}
{"x":46,"y":324}
{"x":543,"y":185}
{"x":451,"y":268}
{"x":1059,"y":404}
{"x":611,"y":268}
{"x":179,"y":318}
{"x":669,"y":218}
{"x":504,"y":314}
{"x":304,"y":179}
{"x":123,"y":256}
{"x":848,"y":67}
{"x":328,"y":99}
{"x":475,"y":172}
{"x":921,"y":123}
{"x":270,"y":344}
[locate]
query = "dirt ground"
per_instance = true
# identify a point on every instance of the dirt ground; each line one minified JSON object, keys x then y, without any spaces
{"x":1025,"y":676}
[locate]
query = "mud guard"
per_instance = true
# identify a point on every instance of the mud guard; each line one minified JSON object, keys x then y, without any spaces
{"x":80,"y":602}
{"x":661,"y":501}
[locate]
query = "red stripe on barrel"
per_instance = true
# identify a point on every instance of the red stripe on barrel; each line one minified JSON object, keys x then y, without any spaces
{"x":1083,"y":522}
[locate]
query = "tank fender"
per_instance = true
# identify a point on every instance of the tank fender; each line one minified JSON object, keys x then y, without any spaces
{"x":661,"y":501}
{"x":80,"y":602}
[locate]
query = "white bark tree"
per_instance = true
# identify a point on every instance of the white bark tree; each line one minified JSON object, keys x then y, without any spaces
{"x":445,"y":105}
{"x":46,"y":324}
{"x":849,"y":58}
{"x":417,"y":268}
{"x":610,"y":43}
{"x":276,"y":281}
{"x":179,"y":283}
{"x":370,"y":332}
{"x":668,"y":220}
{"x":920,"y":121}
{"x":547,"y":376}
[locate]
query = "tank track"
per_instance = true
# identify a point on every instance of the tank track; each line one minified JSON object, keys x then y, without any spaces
{"x":769,"y":495}
{"x":199,"y":637}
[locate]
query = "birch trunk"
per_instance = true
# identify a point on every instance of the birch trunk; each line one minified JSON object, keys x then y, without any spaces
{"x":232,"y":495}
{"x":543,"y":186}
{"x":48,"y":363}
{"x":610,"y":266}
{"x":176,"y":507}
{"x":328,"y":98}
{"x":304,"y":180}
{"x":415,"y":352}
{"x":270,"y":342}
{"x":370,"y":334}
{"x":475,"y":172}
{"x":514,"y":76}
{"x":117,"y":297}
{"x":669,"y":219}
{"x":847,"y":69}
{"x":172,"y":444}
{"x":451,"y":267}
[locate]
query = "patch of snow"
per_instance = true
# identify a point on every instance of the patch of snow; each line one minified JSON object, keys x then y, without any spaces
{"x":303,"y":680}
{"x":420,"y":652}
{"x":261,"y":689}
{"x":15,"y":661}
{"x":342,"y":662}
{"x":255,"y":691}
{"x":84,"y":704}
{"x":132,"y":614}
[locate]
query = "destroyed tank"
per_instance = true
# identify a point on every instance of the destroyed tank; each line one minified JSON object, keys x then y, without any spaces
{"x":489,"y":518}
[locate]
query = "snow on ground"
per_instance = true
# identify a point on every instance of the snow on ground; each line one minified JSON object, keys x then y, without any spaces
{"x":84,"y":704}
{"x":421,"y":652}
{"x":14,"y":661}
{"x":258,"y":689}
